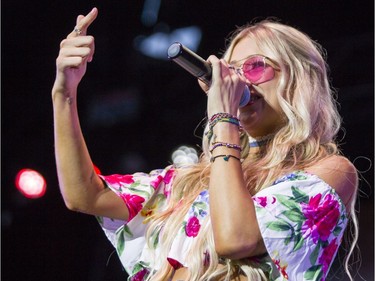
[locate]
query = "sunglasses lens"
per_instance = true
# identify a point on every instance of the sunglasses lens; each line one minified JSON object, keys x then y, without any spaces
{"x":257,"y":71}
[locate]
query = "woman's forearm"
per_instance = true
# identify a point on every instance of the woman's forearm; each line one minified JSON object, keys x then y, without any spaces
{"x":236,"y":231}
{"x":78,"y":181}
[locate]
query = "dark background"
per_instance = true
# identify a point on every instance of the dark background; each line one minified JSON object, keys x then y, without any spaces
{"x":138,"y":110}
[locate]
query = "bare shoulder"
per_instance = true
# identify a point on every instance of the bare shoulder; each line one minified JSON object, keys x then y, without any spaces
{"x":340,"y":174}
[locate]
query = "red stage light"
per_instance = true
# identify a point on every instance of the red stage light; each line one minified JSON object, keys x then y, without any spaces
{"x":97,"y":170}
{"x":31,"y":183}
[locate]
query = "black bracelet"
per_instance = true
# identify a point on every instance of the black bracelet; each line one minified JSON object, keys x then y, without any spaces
{"x":225,"y":157}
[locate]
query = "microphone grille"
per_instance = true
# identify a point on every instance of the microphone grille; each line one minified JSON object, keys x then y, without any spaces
{"x":174,"y":50}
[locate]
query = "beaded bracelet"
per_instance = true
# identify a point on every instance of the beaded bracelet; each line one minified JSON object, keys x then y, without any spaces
{"x":234,"y":121}
{"x":225,"y":157}
{"x":228,"y":145}
{"x":221,"y":117}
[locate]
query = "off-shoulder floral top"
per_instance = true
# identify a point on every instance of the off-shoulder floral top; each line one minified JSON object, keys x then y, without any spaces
{"x":301,"y":218}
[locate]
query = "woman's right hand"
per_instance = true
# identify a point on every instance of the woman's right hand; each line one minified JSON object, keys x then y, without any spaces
{"x":226,"y":88}
{"x":82,"y":189}
{"x":76,"y":50}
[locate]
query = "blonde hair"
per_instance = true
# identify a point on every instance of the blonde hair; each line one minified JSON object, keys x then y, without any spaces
{"x":311,"y":124}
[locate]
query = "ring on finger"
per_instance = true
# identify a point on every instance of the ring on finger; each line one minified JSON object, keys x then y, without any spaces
{"x":237,"y":70}
{"x":77,"y":30}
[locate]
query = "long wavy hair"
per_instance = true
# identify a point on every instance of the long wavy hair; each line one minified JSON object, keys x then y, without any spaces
{"x":308,"y":135}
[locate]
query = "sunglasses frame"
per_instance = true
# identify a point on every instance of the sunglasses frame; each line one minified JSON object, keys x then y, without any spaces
{"x":270,"y":63}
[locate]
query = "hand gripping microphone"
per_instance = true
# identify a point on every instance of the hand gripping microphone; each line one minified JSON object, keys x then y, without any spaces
{"x":197,"y":66}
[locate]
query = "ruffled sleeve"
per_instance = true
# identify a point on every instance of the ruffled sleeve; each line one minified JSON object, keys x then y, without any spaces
{"x":143,"y":194}
{"x":302,"y":221}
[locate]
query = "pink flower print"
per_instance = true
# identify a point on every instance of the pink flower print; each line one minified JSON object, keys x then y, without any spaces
{"x":140,"y":275}
{"x":169,"y":176}
{"x":134,"y":204}
{"x":192,"y":227}
{"x":159,"y":179}
{"x":327,"y":255}
{"x":155,"y":183}
{"x":264,"y":200}
{"x":117,"y":181}
{"x":321,"y":217}
{"x":167,"y":180}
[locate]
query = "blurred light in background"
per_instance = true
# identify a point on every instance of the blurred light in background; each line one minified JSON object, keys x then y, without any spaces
{"x":150,"y":12}
{"x":156,"y":45}
{"x":184,"y":155}
{"x":97,"y":170}
{"x":31,"y":183}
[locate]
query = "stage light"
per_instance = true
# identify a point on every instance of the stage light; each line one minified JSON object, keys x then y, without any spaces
{"x":31,"y":183}
{"x":150,"y":12}
{"x":184,"y":155}
{"x":156,"y":45}
{"x":97,"y":170}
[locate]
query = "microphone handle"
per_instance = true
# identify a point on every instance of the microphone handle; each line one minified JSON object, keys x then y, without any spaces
{"x":197,"y":66}
{"x":191,"y":62}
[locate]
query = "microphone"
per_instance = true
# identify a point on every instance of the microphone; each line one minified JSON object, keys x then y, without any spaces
{"x":197,"y":66}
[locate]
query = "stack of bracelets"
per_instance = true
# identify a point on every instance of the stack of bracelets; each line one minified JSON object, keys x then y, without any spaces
{"x":222,"y":117}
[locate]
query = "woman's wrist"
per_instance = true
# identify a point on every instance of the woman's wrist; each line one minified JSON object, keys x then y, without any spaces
{"x":63,"y":95}
{"x":220,"y":118}
{"x":226,"y":132}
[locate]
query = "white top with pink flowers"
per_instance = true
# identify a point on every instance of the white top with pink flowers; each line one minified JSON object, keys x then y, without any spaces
{"x":301,"y":218}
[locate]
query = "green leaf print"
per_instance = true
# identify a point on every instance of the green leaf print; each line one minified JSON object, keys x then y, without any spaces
{"x":200,"y":205}
{"x":99,"y":219}
{"x":157,"y":200}
{"x":279,"y":225}
{"x":299,"y":195}
{"x":299,"y":175}
{"x":287,"y":201}
{"x":139,"y":266}
{"x":160,"y":198}
{"x":155,"y":238}
{"x":337,"y":231}
{"x":314,"y":255}
{"x":123,"y":188}
{"x":287,"y":240}
{"x":120,"y":242}
{"x":314,"y":273}
{"x":183,"y":228}
{"x":294,"y":215}
{"x":140,"y":192}
{"x":127,"y":232}
{"x":298,"y":240}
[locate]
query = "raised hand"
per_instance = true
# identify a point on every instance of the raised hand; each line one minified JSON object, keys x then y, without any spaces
{"x":75,"y":51}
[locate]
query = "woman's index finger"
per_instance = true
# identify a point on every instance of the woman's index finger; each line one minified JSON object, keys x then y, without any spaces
{"x":86,"y":21}
{"x":83,"y":23}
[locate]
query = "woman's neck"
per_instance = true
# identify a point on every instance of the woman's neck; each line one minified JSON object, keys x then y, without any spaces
{"x":256,"y":142}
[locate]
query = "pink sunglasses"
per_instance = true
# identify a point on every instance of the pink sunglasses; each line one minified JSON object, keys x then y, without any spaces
{"x":257,"y":69}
